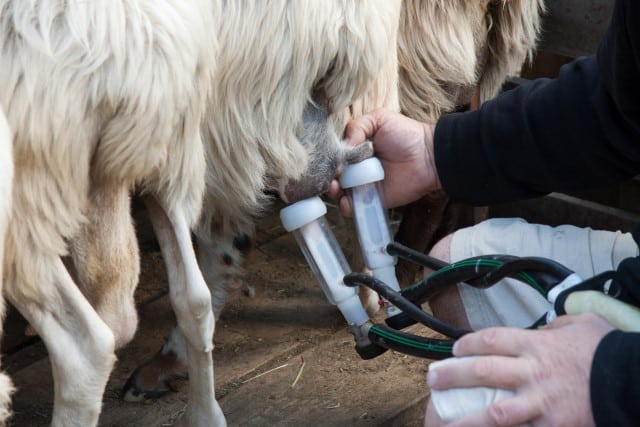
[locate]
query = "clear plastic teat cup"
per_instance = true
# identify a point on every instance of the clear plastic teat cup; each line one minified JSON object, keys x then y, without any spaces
{"x":362,"y":180}
{"x":306,"y":220}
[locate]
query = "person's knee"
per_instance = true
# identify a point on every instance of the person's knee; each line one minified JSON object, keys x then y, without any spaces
{"x":442,"y":249}
{"x":447,"y":305}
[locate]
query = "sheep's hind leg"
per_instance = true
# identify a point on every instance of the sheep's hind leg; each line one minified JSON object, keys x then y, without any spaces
{"x":6,"y":188}
{"x":80,"y":345}
{"x":191,"y":301}
{"x":222,"y":252}
{"x":106,"y":260}
{"x":154,"y":378}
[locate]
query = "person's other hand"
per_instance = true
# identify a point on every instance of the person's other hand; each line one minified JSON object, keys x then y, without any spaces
{"x":405,"y":148}
{"x":549,"y":370}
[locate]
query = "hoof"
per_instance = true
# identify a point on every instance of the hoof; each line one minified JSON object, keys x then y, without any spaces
{"x":154,"y":379}
{"x":249,"y":291}
{"x":29,"y":331}
{"x":133,"y":391}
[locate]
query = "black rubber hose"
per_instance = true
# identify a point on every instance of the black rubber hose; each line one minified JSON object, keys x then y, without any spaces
{"x":413,"y":345}
{"x":435,"y":283}
{"x":397,"y":249}
{"x":430,"y":286}
{"x":409,"y":308}
{"x":547,"y":273}
{"x":534,"y":266}
{"x":480,"y":272}
{"x":469,"y":271}
{"x":485,"y":271}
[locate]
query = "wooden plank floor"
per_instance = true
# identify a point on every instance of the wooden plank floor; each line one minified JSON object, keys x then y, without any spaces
{"x":287,"y":331}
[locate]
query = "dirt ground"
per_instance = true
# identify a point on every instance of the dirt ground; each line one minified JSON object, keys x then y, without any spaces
{"x":282,"y":358}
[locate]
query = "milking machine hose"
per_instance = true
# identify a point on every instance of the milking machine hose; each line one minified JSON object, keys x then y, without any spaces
{"x":550,"y":279}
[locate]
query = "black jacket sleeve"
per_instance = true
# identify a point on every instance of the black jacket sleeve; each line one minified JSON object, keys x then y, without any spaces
{"x":615,"y":374}
{"x":578,"y":131}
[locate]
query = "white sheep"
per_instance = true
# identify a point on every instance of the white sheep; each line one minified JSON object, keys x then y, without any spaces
{"x":6,"y":186}
{"x":290,"y":75}
{"x":102,"y":96}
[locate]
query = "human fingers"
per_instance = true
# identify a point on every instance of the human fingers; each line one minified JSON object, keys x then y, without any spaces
{"x":495,"y":341}
{"x":513,"y":411}
{"x":484,"y":371}
{"x":335,"y":191}
{"x":345,"y":206}
{"x":363,"y":128}
{"x":583,"y":318}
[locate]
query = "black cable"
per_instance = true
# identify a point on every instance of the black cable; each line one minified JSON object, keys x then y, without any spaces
{"x":546,"y":272}
{"x":483,"y":272}
{"x":414,"y":345}
{"x":435,"y":283}
{"x":432,"y":285}
{"x":410,"y":309}
{"x":396,"y":249}
{"x":480,"y":272}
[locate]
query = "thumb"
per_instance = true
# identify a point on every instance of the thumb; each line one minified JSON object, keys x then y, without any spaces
{"x":362,"y":128}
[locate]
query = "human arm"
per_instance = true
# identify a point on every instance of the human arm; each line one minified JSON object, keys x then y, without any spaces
{"x":615,"y":380}
{"x":542,"y":137}
{"x":578,"y":131}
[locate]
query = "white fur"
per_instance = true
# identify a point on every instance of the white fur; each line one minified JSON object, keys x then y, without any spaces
{"x":6,"y":184}
{"x":100,"y":94}
{"x":277,"y":60}
{"x":274,"y":60}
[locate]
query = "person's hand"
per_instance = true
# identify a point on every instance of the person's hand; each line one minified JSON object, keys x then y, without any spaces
{"x":405,"y":148}
{"x":549,"y":370}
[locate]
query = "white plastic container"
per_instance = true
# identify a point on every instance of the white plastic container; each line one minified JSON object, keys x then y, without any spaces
{"x":362,"y":180}
{"x":455,"y":403}
{"x":305,"y":219}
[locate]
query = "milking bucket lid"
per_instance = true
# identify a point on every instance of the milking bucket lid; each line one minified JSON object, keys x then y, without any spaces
{"x":303,"y":212}
{"x":364,"y":172}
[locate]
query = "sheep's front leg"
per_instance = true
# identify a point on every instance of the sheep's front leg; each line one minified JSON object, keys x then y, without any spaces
{"x":191,"y":302}
{"x":221,"y":254}
{"x":80,"y":344}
